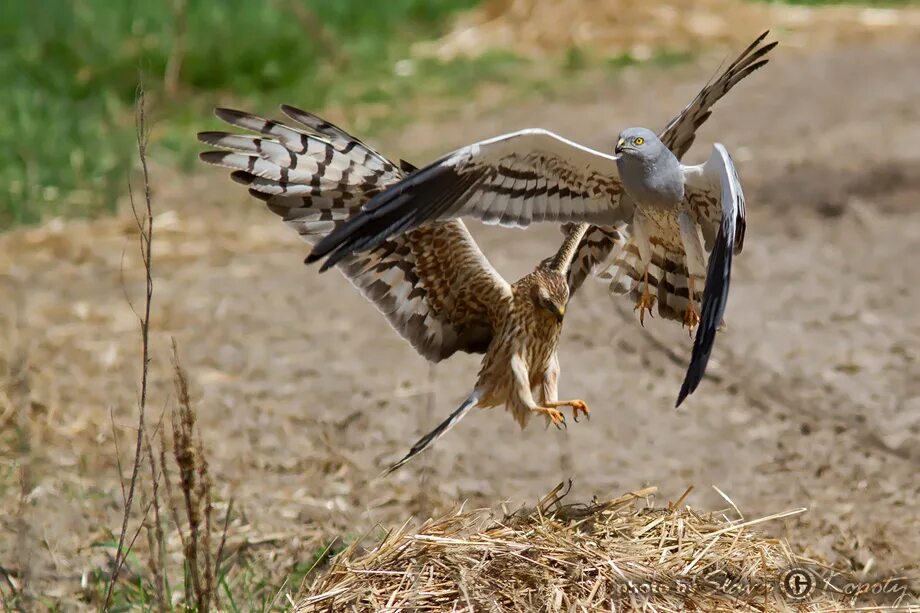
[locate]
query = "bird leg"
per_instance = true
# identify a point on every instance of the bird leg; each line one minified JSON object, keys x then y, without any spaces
{"x":691,"y":316}
{"x":577,"y":405}
{"x":646,"y":301}
{"x":555,"y":416}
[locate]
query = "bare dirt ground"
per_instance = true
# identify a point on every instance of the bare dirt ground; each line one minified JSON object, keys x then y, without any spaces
{"x":304,"y":393}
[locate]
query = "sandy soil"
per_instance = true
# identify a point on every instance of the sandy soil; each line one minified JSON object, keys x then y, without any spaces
{"x":304,"y":393}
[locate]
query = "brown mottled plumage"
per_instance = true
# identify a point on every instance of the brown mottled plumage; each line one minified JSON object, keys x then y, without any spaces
{"x":429,"y":279}
{"x":433,"y":284}
{"x":521,"y":368}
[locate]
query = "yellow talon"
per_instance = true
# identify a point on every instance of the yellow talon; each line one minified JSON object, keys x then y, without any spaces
{"x":580,"y":405}
{"x":691,"y":318}
{"x":555,"y":416}
{"x":645,"y":303}
{"x":577,"y":406}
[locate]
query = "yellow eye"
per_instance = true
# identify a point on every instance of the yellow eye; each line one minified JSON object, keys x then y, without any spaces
{"x":639,"y":140}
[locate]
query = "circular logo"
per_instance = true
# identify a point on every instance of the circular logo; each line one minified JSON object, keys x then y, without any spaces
{"x":797,"y":583}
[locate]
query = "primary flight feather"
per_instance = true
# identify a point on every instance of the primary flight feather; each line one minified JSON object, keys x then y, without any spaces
{"x":648,"y":208}
{"x":393,"y":230}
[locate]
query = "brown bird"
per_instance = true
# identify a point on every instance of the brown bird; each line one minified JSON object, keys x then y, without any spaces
{"x":432,"y":283}
{"x":655,"y":217}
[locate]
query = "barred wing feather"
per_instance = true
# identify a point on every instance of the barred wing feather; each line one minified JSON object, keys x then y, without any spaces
{"x":611,"y":243}
{"x":511,"y":180}
{"x":680,"y":132}
{"x":433,"y":285}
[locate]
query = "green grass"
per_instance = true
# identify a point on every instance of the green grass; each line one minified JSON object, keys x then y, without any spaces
{"x":242,"y":585}
{"x":70,"y":68}
{"x":872,"y":3}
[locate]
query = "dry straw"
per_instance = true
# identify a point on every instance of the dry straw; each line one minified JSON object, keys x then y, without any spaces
{"x":612,"y":556}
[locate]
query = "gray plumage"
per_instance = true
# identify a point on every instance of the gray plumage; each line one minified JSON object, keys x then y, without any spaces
{"x":651,"y":174}
{"x":653,"y":219}
{"x":656,"y":181}
{"x":647,"y":224}
{"x":535,"y":175}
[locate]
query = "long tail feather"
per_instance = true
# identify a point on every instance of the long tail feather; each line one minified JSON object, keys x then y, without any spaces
{"x":428,"y":440}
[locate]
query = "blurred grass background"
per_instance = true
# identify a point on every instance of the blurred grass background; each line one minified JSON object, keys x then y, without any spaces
{"x":70,"y":68}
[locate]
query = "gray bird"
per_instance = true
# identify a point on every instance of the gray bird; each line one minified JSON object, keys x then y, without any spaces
{"x":535,"y":175}
{"x":650,"y":216}
{"x":674,"y":203}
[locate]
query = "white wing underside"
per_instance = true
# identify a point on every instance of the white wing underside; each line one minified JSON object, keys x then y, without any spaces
{"x":512,"y":180}
{"x":535,"y":175}
{"x":729,"y":239}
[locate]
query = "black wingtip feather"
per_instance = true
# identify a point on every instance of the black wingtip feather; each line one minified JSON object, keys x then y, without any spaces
{"x":229,"y":115}
{"x":757,"y":65}
{"x":288,"y":110}
{"x":311,"y":120}
{"x":420,"y":197}
{"x":311,"y":258}
{"x":242,"y":177}
{"x":211,"y":137}
{"x":407,"y":167}
{"x":261,"y":196}
{"x":715,"y":294}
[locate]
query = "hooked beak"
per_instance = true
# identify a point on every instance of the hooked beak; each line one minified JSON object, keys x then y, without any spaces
{"x":559,"y":312}
{"x":619,"y":148}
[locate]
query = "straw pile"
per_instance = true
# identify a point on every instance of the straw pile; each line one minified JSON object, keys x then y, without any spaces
{"x":616,"y":555}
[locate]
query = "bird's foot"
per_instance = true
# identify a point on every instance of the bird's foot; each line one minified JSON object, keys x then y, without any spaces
{"x":578,"y":406}
{"x":691,"y":318}
{"x":555,"y":416}
{"x":645,"y":303}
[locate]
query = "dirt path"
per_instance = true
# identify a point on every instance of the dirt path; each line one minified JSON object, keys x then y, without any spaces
{"x":304,"y":393}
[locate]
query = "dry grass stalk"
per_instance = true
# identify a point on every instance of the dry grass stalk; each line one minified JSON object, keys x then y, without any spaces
{"x":179,"y":501}
{"x":156,"y":539}
{"x":183,"y":426}
{"x":188,"y":453}
{"x":145,"y":226}
{"x":572,"y":557}
{"x":205,"y":487}
{"x":195,"y":485}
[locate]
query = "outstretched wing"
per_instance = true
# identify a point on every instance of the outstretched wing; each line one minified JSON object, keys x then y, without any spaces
{"x":511,"y":180}
{"x":604,"y":244}
{"x":718,"y":173}
{"x":433,"y":285}
{"x":680,"y":132}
